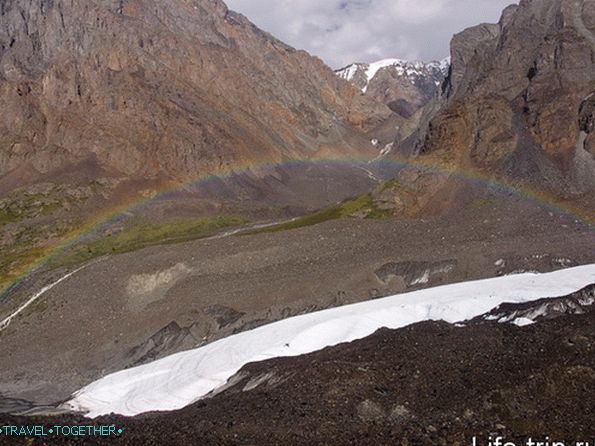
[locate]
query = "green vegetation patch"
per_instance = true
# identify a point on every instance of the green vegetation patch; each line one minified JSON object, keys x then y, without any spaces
{"x":28,"y":206}
{"x":393,"y":184}
{"x":16,"y":262}
{"x":138,"y":234}
{"x":362,"y":207}
{"x":7,"y":216}
{"x":481,"y":203}
{"x":17,"y":259}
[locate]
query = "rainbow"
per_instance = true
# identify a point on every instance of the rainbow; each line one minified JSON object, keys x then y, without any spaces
{"x":110,"y":216}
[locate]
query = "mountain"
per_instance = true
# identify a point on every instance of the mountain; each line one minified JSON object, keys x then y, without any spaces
{"x":148,"y":90}
{"x":404,"y":86}
{"x":515,"y":114}
{"x":518,"y":101}
{"x":108,"y":103}
{"x":166,"y":273}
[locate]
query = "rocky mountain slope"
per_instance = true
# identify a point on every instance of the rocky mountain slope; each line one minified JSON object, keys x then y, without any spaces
{"x":404,"y":86}
{"x":149,"y":89}
{"x":518,"y":101}
{"x":182,"y":379}
{"x":111,"y":102}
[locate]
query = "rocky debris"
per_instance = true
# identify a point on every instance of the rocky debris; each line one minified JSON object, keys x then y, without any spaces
{"x":13,"y":405}
{"x":587,"y":114}
{"x":146,"y":289}
{"x":415,"y":273}
{"x":41,"y":198}
{"x":223,"y":315}
{"x":409,"y":192}
{"x":513,"y":263}
{"x":169,"y":339}
{"x":587,"y":123}
{"x":268,"y":277}
{"x":543,"y":309}
{"x":429,"y":383}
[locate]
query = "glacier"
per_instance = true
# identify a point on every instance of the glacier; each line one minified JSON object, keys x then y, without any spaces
{"x":181,"y":379}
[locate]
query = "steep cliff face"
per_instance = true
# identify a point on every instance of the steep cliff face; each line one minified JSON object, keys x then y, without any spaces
{"x":518,"y":101}
{"x":175,"y":87}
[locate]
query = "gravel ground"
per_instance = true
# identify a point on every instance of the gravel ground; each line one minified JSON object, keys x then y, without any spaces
{"x":127,"y":309}
{"x":427,"y":384}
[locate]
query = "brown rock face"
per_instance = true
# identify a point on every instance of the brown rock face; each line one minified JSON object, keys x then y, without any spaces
{"x":587,"y":123}
{"x":518,"y":99}
{"x":174,"y":88}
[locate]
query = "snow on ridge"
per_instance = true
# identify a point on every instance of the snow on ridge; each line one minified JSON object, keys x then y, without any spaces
{"x":411,"y":69}
{"x":374,"y":67}
{"x":181,"y":379}
{"x":442,"y":65}
{"x":348,"y":72}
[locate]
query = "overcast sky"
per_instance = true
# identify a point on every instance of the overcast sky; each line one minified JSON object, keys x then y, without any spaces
{"x":346,"y":31}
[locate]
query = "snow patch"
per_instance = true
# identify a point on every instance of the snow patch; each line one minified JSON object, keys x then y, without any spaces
{"x":375,"y":67}
{"x":178,"y":380}
{"x":142,"y":284}
{"x":424,"y":278}
{"x":349,"y":72}
{"x":387,"y":149}
{"x":383,"y":152}
{"x":523,"y":322}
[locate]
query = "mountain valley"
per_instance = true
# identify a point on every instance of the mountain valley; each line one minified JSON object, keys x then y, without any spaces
{"x":171,"y":176}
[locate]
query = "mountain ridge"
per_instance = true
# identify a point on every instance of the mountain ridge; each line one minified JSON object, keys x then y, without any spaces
{"x":108,"y":103}
{"x":405,"y":86}
{"x":184,"y":76}
{"x":511,"y":104}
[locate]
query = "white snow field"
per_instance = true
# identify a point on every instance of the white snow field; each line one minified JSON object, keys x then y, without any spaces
{"x":178,"y":380}
{"x":411,"y":69}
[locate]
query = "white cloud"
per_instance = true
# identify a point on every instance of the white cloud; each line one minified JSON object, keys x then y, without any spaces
{"x":345,"y":31}
{"x":415,"y":11}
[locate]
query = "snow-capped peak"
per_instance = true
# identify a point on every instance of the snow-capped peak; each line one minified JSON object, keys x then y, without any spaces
{"x":442,"y":65}
{"x":362,"y":74}
{"x":400,"y":64}
{"x":348,"y":73}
